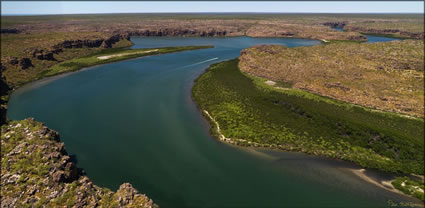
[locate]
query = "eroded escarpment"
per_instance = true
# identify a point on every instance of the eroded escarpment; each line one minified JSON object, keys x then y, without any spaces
{"x":386,"y":76}
{"x":36,"y":170}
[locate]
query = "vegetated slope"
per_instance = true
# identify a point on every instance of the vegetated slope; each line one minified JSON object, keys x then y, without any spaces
{"x":253,"y":113}
{"x":111,"y":55}
{"x":24,"y":56}
{"x":386,"y":76}
{"x":37,"y":172}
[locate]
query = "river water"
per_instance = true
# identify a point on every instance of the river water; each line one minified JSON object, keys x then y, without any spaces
{"x":370,"y":38}
{"x":134,"y":121}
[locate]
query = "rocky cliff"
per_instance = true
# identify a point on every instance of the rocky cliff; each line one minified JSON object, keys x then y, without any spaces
{"x":36,"y":171}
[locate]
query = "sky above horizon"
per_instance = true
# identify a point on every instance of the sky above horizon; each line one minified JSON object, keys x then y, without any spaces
{"x":76,"y":7}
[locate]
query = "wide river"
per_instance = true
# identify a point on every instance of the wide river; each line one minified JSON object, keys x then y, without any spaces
{"x":134,"y":121}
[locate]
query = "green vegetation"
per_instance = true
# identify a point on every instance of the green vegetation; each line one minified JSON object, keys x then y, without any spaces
{"x":110,"y":55}
{"x":250,"y":111}
{"x":410,"y":187}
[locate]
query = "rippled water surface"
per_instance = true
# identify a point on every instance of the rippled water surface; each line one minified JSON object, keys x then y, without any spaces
{"x":134,"y":121}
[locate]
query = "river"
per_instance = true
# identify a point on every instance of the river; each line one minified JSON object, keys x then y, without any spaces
{"x":134,"y":121}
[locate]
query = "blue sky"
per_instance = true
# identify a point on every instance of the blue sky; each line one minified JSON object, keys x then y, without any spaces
{"x":75,"y":7}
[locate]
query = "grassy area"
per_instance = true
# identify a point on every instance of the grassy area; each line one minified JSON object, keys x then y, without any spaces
{"x":386,"y":76}
{"x":247,"y":109}
{"x":410,"y":187}
{"x":116,"y":55}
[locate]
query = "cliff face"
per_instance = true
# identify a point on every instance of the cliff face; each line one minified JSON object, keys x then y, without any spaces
{"x":37,"y":171}
{"x":91,"y":43}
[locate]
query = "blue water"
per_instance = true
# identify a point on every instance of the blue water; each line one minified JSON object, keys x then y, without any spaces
{"x":374,"y":39}
{"x":371,"y":38}
{"x":340,"y":29}
{"x":134,"y":121}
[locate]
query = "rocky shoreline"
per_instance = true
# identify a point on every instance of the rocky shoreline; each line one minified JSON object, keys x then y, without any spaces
{"x":37,"y":170}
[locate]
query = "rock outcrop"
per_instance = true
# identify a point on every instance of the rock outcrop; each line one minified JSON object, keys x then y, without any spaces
{"x":335,"y":24}
{"x":41,"y":54}
{"x":37,"y":171}
{"x":25,"y":63}
{"x":91,"y":43}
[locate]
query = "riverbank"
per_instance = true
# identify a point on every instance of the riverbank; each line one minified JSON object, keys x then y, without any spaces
{"x":394,"y":184}
{"x":56,"y":181}
{"x":103,"y":57}
{"x":246,"y":113}
{"x":109,"y":56}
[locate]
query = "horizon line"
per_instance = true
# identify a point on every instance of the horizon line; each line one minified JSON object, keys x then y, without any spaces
{"x":41,"y":14}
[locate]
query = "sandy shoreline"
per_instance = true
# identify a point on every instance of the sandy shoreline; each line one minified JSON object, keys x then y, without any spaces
{"x":384,"y":184}
{"x":125,"y":54}
{"x":379,"y":181}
